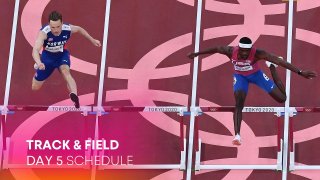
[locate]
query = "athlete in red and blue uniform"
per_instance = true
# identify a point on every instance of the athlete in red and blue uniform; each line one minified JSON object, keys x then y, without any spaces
{"x":246,"y":70}
{"x":52,"y":39}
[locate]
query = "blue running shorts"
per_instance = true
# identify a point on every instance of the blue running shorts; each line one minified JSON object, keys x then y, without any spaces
{"x":241,"y":82}
{"x":51,"y":62}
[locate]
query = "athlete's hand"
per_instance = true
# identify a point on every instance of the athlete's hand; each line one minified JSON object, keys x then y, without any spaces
{"x":192,"y":55}
{"x":41,"y":66}
{"x":308,"y":74}
{"x":96,"y":42}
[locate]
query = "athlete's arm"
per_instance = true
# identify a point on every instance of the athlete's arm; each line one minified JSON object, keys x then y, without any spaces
{"x":78,"y":29}
{"x":37,"y":48}
{"x":226,"y":50}
{"x":261,"y":54}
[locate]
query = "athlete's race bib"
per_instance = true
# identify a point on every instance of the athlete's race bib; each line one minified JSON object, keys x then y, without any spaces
{"x":243,"y":68}
{"x":55,"y":49}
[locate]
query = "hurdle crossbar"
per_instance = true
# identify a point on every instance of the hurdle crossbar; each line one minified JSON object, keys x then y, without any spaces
{"x":49,"y":108}
{"x":307,"y":109}
{"x":176,"y":109}
{"x":247,"y":109}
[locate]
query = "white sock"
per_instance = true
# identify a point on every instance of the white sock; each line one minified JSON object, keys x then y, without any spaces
{"x":269,"y":64}
{"x":35,"y":66}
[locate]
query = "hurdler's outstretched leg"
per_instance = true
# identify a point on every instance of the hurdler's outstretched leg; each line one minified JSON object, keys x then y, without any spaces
{"x":278,"y":93}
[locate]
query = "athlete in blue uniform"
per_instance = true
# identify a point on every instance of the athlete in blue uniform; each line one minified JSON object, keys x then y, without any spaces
{"x":52,"y":38}
{"x":245,"y":59}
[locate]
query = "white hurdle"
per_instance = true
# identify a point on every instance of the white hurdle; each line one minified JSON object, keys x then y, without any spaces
{"x":8,"y":79}
{"x":292,"y":163}
{"x":181,"y":111}
{"x":278,"y":166}
{"x":9,"y":144}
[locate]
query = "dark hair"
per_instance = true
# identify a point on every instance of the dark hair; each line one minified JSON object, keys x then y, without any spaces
{"x":55,"y":16}
{"x":245,"y":40}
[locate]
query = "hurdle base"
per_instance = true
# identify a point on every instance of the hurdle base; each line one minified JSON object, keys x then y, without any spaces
{"x":239,"y":167}
{"x":306,"y":167}
{"x":199,"y":166}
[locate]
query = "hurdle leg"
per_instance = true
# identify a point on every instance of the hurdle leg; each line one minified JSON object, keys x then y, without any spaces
{"x":88,"y":154}
{"x":3,"y":121}
{"x":1,"y":150}
{"x":292,"y":154}
{"x":196,"y":134}
{"x":197,"y":144}
{"x":181,"y":134}
{"x":291,"y":133}
{"x":280,"y":133}
{"x":183,"y":144}
{"x":279,"y":142}
{"x":182,"y":147}
{"x":86,"y":127}
{"x":7,"y":154}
